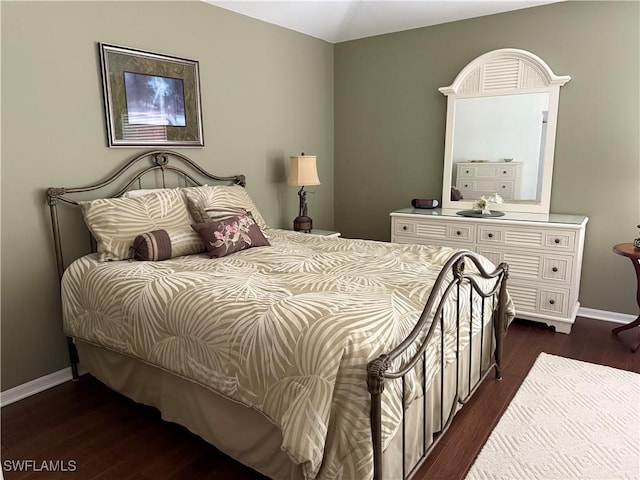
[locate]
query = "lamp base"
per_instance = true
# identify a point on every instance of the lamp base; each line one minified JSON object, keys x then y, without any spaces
{"x":302,"y":224}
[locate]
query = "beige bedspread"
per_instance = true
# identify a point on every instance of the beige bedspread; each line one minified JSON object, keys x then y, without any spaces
{"x":287,"y":329}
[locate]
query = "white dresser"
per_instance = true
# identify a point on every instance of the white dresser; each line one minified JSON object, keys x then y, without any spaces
{"x":475,"y":179}
{"x":544,"y":254}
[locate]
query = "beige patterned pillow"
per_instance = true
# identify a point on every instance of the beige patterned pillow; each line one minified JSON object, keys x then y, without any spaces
{"x":141,"y":191}
{"x":224,"y":197}
{"x":116,"y":222}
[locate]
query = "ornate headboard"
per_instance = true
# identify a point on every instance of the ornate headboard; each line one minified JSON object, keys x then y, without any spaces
{"x":168,"y":169}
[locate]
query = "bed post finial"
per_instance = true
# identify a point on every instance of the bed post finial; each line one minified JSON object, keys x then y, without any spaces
{"x":375,"y":374}
{"x":457,"y":269}
{"x":53,"y":194}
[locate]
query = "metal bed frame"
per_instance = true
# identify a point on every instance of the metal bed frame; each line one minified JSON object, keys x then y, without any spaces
{"x":452,"y":277}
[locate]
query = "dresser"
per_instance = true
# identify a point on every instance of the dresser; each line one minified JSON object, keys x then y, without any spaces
{"x":544,"y":254}
{"x":476,"y":179}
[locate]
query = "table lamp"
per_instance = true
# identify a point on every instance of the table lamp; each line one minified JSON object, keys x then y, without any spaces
{"x":302,"y":172}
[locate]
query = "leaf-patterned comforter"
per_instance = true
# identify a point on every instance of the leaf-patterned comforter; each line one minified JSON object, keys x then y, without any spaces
{"x":287,"y":329}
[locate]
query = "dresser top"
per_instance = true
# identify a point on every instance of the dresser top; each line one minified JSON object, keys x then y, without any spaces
{"x":488,"y":163}
{"x":511,"y":216}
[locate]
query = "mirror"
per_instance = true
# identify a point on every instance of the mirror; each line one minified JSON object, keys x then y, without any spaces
{"x":500,"y":132}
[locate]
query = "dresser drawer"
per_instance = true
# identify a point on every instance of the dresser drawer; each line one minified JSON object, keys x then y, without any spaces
{"x":557,"y":269}
{"x":561,"y":241}
{"x":466,"y":172}
{"x":514,"y":237}
{"x":488,"y":235}
{"x":554,"y":302}
{"x":477,"y":171}
{"x":477,"y":186}
{"x":401,"y":227}
{"x":438,"y":232}
{"x":531,"y":266}
{"x":529,"y":299}
{"x":505,"y":187}
{"x":448,"y":231}
{"x":507,"y":172}
{"x":461,"y":232}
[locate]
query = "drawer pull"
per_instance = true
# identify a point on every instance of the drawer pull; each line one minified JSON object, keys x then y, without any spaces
{"x":466,"y":186}
{"x":504,"y":186}
{"x":504,"y":171}
{"x":404,"y":227}
{"x":556,"y":241}
{"x":554,"y":269}
{"x":552,"y":302}
{"x":490,"y":235}
{"x":466,"y":171}
{"x":458,"y":232}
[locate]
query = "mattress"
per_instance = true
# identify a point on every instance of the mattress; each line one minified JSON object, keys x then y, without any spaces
{"x":286,"y":330}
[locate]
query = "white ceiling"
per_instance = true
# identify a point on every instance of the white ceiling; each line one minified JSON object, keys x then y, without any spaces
{"x":341,"y":20}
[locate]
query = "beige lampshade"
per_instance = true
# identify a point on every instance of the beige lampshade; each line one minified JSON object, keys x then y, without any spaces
{"x":303,"y":171}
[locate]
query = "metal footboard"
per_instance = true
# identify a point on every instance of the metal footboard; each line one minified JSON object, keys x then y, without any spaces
{"x":394,"y":366}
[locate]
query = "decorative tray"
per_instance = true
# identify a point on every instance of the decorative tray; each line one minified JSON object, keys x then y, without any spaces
{"x":474,"y":213}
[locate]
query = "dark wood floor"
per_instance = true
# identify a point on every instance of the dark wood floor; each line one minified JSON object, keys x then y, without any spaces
{"x":110,"y":437}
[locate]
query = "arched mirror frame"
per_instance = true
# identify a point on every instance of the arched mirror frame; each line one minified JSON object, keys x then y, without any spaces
{"x":506,"y":71}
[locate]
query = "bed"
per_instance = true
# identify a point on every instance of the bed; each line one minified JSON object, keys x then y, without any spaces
{"x":301,"y":356}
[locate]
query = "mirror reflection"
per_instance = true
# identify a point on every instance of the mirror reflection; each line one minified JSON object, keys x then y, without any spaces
{"x":498,"y":147}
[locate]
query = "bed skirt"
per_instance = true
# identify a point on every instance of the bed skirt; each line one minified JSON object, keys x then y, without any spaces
{"x":246,"y":434}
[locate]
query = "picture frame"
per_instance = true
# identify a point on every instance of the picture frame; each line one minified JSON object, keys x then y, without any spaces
{"x":150,"y":99}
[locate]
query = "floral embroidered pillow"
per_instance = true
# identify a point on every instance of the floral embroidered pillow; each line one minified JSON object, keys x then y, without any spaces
{"x":230,"y":235}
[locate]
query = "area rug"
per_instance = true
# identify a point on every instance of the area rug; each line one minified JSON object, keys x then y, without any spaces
{"x":568,"y":420}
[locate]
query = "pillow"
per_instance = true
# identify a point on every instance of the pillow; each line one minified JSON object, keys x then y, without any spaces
{"x":153,"y":246}
{"x":142,"y":191}
{"x":198,"y":214}
{"x":204,"y":215}
{"x":224,"y":197}
{"x":116,"y":222}
{"x":230,"y":235}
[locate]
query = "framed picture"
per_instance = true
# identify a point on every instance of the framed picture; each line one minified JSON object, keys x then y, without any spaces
{"x":150,"y":99}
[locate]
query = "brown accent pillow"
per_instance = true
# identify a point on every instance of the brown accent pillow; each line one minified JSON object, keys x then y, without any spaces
{"x":230,"y":235}
{"x":152,"y":246}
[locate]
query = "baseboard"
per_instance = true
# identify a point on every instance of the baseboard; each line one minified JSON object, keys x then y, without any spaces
{"x":56,"y":378}
{"x":36,"y":386}
{"x":605,"y":315}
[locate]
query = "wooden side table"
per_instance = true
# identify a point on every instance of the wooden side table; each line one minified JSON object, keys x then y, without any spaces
{"x":627,"y":250}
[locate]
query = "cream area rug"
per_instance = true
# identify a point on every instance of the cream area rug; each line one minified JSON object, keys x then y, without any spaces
{"x":568,"y":420}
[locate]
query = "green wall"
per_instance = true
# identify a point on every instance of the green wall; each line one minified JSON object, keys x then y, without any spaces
{"x":390,"y":124}
{"x":267,"y":93}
